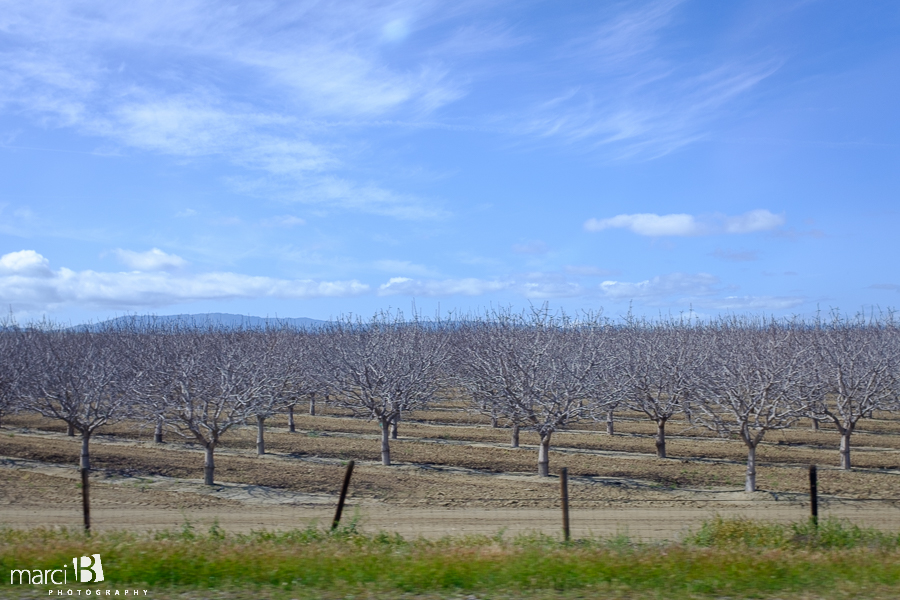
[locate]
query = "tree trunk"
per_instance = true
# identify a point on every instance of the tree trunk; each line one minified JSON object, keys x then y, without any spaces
{"x":260,"y":435}
{"x":70,"y":430}
{"x":1,"y":418}
{"x":846,"y":432}
{"x":815,"y":424}
{"x":494,"y":422}
{"x":750,"y":485}
{"x":291,"y":426}
{"x":661,"y":438}
{"x":158,"y":432}
{"x":312,"y":404}
{"x":209,"y":467}
{"x":609,"y":423}
{"x":85,"y":450}
{"x":544,"y":456}
{"x":515,"y":436}
{"x":385,"y":444}
{"x":394,"y":423}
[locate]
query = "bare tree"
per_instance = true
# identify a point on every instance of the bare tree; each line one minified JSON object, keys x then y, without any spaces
{"x":479,"y":370}
{"x":303,"y":381}
{"x":12,"y":367}
{"x":80,"y":377}
{"x":284,"y":361}
{"x":154,"y":391}
{"x":382,"y":367}
{"x":753,"y":382}
{"x":660,"y":362}
{"x":216,"y":376}
{"x":568,"y":381}
{"x":610,"y":384}
{"x":857,"y":372}
{"x":495,"y":404}
{"x":500,"y":356}
{"x":542,"y":366}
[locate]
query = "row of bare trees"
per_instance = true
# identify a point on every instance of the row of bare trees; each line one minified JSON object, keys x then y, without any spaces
{"x":540,"y":371}
{"x":739,"y":376}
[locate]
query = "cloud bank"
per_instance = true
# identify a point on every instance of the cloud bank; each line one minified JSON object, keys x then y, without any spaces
{"x":653,"y":225}
{"x":28,"y":283}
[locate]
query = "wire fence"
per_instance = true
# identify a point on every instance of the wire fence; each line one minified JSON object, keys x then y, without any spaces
{"x":639,"y":520}
{"x":242,"y":508}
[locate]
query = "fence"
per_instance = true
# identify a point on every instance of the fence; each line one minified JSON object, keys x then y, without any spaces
{"x":239,"y":507}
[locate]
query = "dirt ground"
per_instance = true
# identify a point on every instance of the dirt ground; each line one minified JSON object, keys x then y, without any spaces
{"x":448,"y":478}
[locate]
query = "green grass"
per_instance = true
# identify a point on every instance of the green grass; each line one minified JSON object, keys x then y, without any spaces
{"x":724,"y":558}
{"x":829,"y":534}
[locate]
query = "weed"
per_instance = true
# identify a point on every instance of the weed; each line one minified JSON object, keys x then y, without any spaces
{"x":498,"y":537}
{"x":215,"y":531}
{"x":187,"y":530}
{"x":828,"y":534}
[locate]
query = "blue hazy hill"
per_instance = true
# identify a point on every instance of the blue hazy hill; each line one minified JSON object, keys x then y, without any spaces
{"x":226,"y":320}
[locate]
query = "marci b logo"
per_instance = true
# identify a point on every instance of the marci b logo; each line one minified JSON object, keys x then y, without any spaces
{"x":91,"y":570}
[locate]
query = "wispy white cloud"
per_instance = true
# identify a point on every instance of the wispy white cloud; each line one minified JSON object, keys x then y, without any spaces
{"x":653,"y":225}
{"x":678,"y":285}
{"x":648,"y":224}
{"x":701,"y":290}
{"x":371,"y":198}
{"x":627,"y":35}
{"x":470,"y":286}
{"x":28,"y":283}
{"x":749,"y":222}
{"x":173,"y":78}
{"x":628,"y":98}
{"x":199,"y":125}
{"x":529,"y":285}
{"x":330,"y":193}
{"x":324,"y":55}
{"x":540,"y":285}
{"x":151,"y":260}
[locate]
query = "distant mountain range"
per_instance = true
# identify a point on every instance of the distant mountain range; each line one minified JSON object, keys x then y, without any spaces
{"x":203,"y":320}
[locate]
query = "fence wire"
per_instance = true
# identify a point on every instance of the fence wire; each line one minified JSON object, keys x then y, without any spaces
{"x":638,"y":519}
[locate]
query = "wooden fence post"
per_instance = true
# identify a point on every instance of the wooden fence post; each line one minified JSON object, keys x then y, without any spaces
{"x":564,"y":496}
{"x":343,"y":496}
{"x":86,"y":499}
{"x":814,"y":495}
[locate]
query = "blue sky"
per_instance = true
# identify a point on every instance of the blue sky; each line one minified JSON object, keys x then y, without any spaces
{"x":318,"y":158}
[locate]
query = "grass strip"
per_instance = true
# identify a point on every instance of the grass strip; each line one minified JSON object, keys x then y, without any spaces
{"x":732,"y":558}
